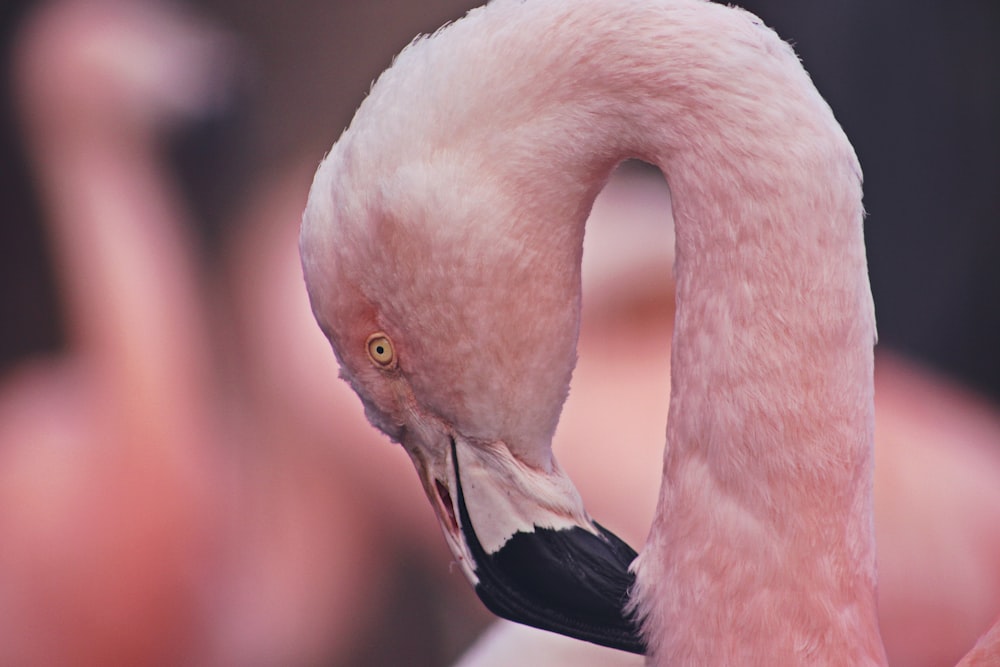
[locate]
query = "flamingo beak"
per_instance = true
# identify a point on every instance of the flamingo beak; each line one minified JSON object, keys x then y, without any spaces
{"x":530,"y":551}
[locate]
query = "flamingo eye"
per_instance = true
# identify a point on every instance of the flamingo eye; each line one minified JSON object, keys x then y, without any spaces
{"x":380,"y":350}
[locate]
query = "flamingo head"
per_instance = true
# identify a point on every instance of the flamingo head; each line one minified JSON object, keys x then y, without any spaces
{"x":456,"y":323}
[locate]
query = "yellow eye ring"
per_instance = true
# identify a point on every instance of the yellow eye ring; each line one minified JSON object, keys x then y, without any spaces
{"x":381,"y":351}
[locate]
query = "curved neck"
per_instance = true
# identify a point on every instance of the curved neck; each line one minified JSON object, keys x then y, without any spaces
{"x":127,"y":273}
{"x":762,"y":552}
{"x":764,"y":528}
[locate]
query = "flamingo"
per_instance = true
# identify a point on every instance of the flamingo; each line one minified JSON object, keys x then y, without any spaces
{"x":441,"y":247}
{"x":107,"y":494}
{"x":141,"y":523}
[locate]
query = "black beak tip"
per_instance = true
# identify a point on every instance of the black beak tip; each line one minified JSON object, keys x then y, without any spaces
{"x":569,"y":581}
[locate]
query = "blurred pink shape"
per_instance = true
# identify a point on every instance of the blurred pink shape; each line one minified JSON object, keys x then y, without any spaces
{"x":148,"y":516}
{"x":107,"y":514}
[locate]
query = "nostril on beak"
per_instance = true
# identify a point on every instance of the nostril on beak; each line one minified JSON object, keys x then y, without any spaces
{"x":445,"y":499}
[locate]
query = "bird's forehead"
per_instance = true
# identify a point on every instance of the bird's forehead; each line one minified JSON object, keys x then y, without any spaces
{"x":420,"y":238}
{"x":442,"y":264}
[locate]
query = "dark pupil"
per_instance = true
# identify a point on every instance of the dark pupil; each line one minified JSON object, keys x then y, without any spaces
{"x":380,"y":350}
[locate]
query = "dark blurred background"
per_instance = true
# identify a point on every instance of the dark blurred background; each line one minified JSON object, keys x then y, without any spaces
{"x":916,"y":86}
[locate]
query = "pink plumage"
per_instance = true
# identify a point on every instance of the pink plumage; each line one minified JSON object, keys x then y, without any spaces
{"x":449,"y":219}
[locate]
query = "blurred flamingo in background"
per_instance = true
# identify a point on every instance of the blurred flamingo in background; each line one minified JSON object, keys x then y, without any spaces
{"x":108,"y":512}
{"x":146,"y":514}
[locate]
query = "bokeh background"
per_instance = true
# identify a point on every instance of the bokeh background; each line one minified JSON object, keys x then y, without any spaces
{"x":183,"y":480}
